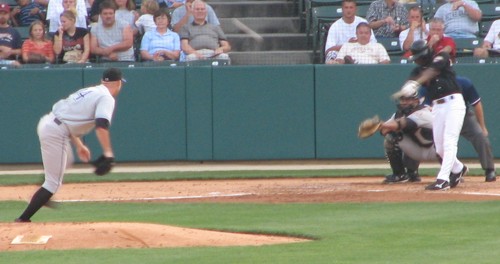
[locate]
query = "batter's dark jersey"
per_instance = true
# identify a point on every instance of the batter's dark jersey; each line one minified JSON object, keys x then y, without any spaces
{"x":445,"y":83}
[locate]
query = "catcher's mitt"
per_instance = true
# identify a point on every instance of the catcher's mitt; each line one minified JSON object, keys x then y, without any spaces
{"x":103,"y":165}
{"x":369,"y":126}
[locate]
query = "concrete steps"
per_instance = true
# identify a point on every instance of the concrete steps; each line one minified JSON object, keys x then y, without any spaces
{"x":241,"y":25}
{"x":277,"y":57}
{"x":263,"y":32}
{"x":276,"y":8}
{"x":267,"y":42}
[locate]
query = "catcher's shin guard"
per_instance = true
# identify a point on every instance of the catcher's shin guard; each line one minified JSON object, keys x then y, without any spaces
{"x":394,"y":155}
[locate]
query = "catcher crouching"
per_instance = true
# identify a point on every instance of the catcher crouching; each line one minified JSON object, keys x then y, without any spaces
{"x":408,"y":137}
{"x":70,"y":119}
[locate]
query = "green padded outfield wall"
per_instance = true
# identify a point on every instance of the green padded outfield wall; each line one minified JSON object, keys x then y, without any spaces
{"x":264,"y":112}
{"x":347,"y":94}
{"x":150,"y":114}
{"x":26,"y":95}
{"x":229,"y":113}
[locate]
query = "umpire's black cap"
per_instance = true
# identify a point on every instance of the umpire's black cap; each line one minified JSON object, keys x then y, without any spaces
{"x":112,"y":75}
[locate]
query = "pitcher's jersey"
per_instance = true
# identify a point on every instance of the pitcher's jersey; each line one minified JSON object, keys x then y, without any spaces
{"x":79,"y":111}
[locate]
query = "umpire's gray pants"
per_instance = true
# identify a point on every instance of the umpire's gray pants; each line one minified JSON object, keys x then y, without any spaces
{"x":471,"y":130}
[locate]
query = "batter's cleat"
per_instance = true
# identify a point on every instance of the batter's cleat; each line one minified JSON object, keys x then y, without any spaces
{"x":414,"y":177}
{"x":439,"y":185}
{"x":19,"y":220}
{"x":456,"y":178}
{"x":491,"y":175}
{"x":395,"y":178}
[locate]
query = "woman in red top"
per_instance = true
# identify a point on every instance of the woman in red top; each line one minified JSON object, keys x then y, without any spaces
{"x":37,"y":49}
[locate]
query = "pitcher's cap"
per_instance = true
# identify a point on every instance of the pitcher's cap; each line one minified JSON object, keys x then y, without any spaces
{"x":112,"y":75}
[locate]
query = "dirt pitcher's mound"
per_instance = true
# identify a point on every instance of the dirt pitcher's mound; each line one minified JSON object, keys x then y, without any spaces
{"x":125,"y":235}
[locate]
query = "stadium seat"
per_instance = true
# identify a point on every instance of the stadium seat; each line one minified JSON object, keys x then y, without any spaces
{"x":323,"y":16}
{"x":23,"y":31}
{"x":392,"y":46}
{"x":310,"y":5}
{"x":484,"y":27}
{"x":490,"y":11}
{"x":466,"y":46}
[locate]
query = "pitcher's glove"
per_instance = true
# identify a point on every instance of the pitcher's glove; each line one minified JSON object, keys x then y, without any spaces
{"x":103,"y":165}
{"x":369,"y":126}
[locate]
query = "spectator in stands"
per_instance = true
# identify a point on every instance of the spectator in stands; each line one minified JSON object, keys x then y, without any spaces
{"x":387,"y":18}
{"x":170,"y":4}
{"x":438,"y":42}
{"x":37,"y":49}
{"x":201,"y":40}
{"x":126,"y":12}
{"x":71,"y":43}
{"x":146,"y":21}
{"x":10,"y":40}
{"x":94,"y":10}
{"x":491,"y":43}
{"x":418,"y":30}
{"x":161,"y":43}
{"x":56,"y":7}
{"x":26,"y":13}
{"x":460,"y":18}
{"x":112,"y":39}
{"x":343,"y":30}
{"x":363,"y":51}
{"x":184,"y":14}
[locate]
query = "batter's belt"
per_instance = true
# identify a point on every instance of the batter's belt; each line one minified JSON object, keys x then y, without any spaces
{"x":444,"y":99}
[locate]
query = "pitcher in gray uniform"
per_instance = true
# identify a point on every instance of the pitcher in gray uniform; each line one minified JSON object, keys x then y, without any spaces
{"x":70,"y":119}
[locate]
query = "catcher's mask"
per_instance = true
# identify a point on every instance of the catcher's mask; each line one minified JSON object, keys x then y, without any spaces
{"x":421,"y":53}
{"x":407,"y":100}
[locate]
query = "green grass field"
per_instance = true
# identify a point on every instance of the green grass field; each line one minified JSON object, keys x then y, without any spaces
{"x":444,"y":232}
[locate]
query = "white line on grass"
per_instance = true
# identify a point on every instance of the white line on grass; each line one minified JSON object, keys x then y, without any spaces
{"x":212,"y":195}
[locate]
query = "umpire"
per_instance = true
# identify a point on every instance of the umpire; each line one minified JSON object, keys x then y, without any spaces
{"x":71,"y":118}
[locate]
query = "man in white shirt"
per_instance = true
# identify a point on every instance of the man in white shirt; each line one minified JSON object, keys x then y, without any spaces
{"x":363,"y":51}
{"x":418,"y":30}
{"x":343,"y":30}
{"x":491,"y":43}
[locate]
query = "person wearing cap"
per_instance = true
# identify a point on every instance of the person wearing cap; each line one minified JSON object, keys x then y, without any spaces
{"x":10,"y":40}
{"x":435,"y":74}
{"x":408,"y":137}
{"x":70,"y":119}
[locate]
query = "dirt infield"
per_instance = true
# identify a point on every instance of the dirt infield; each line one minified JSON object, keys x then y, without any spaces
{"x":137,"y":235}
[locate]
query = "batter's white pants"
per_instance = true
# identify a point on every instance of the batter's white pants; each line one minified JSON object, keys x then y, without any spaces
{"x":448,"y":118}
{"x":56,"y":151}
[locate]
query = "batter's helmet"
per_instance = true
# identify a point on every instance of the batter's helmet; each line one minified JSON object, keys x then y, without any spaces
{"x":419,"y":49}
